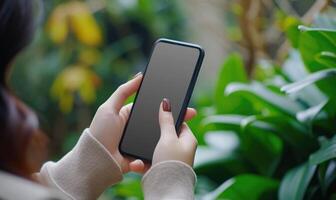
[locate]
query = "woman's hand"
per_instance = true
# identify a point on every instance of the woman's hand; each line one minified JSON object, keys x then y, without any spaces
{"x":171,"y":146}
{"x":109,"y":121}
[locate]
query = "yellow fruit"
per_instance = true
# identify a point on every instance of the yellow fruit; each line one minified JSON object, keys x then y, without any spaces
{"x":74,"y":80}
{"x":83,"y":24}
{"x":57,"y":26}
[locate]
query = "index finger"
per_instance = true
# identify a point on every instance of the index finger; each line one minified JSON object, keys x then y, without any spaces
{"x":125,"y":90}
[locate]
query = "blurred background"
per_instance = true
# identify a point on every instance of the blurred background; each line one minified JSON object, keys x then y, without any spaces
{"x":265,"y":94}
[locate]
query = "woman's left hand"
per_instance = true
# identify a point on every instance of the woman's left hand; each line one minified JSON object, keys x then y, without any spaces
{"x":109,"y":121}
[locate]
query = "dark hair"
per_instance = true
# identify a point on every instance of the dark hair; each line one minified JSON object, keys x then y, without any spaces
{"x":16,"y":30}
{"x":18,"y":123}
{"x":17,"y":126}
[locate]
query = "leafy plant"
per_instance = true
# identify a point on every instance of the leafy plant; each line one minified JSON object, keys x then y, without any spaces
{"x":286,"y":131}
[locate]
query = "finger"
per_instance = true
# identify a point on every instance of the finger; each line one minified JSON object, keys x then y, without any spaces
{"x":147,"y":167}
{"x":166,"y":119}
{"x":125,"y":111}
{"x":137,"y":166}
{"x":190,"y":113}
{"x":119,"y":97}
{"x":187,"y":137}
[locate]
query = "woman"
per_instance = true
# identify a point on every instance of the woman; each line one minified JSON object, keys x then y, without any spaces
{"x":95,"y":163}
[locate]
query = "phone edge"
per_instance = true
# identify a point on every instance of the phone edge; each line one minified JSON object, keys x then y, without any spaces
{"x":186,"y":98}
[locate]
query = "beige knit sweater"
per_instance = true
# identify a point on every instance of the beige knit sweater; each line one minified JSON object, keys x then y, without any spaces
{"x":89,"y":169}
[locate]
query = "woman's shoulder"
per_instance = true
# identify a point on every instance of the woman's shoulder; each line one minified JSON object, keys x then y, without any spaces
{"x":14,"y":187}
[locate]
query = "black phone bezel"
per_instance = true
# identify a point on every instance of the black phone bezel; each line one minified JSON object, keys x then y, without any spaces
{"x":186,"y":98}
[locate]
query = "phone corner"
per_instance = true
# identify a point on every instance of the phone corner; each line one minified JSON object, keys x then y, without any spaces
{"x":201,"y":51}
{"x":159,"y":40}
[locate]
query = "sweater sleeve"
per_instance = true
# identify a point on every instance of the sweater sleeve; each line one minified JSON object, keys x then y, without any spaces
{"x":85,"y":172}
{"x":169,"y":180}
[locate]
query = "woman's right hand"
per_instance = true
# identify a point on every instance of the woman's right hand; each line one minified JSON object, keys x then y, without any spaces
{"x":172,"y":146}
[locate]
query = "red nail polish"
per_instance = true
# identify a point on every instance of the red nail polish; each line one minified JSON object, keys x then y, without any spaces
{"x":166,"y":105}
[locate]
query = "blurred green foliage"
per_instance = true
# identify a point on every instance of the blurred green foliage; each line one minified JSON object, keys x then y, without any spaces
{"x":284,"y":128}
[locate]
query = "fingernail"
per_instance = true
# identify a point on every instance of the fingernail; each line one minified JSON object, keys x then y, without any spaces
{"x":166,"y":105}
{"x":138,"y":74}
{"x":138,"y":161}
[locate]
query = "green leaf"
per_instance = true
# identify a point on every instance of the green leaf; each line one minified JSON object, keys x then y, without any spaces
{"x":257,"y":92}
{"x":292,"y":32}
{"x":130,"y":187}
{"x":264,"y":158}
{"x":266,"y":72}
{"x":196,"y":124}
{"x":326,"y":175}
{"x":225,"y":122}
{"x":314,"y":41}
{"x":325,"y":120}
{"x":295,"y":135}
{"x":215,"y":149}
{"x":262,"y":148}
{"x":216,"y":139}
{"x":295,"y":182}
{"x":209,"y":159}
{"x":246,"y":186}
{"x":326,"y":58}
{"x":130,"y":99}
{"x":308,"y":116}
{"x":295,"y":71}
{"x":205,"y":155}
{"x":311,"y":79}
{"x":203,"y":186}
{"x":327,"y":152}
{"x":232,"y":70}
{"x":69,"y":142}
{"x":309,"y":29}
{"x":225,"y":119}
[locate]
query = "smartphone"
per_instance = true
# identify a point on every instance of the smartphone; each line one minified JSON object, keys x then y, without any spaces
{"x":171,"y":73}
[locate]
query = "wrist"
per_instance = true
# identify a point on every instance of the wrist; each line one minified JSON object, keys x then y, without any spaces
{"x":106,"y":148}
{"x":167,"y":176}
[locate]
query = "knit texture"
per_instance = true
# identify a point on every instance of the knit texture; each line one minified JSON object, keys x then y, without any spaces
{"x":169,"y":180}
{"x":85,"y":172}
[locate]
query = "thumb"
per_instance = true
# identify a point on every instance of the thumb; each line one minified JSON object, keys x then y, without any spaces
{"x":137,"y":166}
{"x":166,"y":120}
{"x":119,"y":97}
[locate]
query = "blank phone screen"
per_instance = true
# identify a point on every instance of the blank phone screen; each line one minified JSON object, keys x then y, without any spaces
{"x":168,"y":75}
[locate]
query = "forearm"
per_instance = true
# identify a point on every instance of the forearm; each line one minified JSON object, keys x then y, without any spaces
{"x":169,"y":180}
{"x":85,"y":172}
